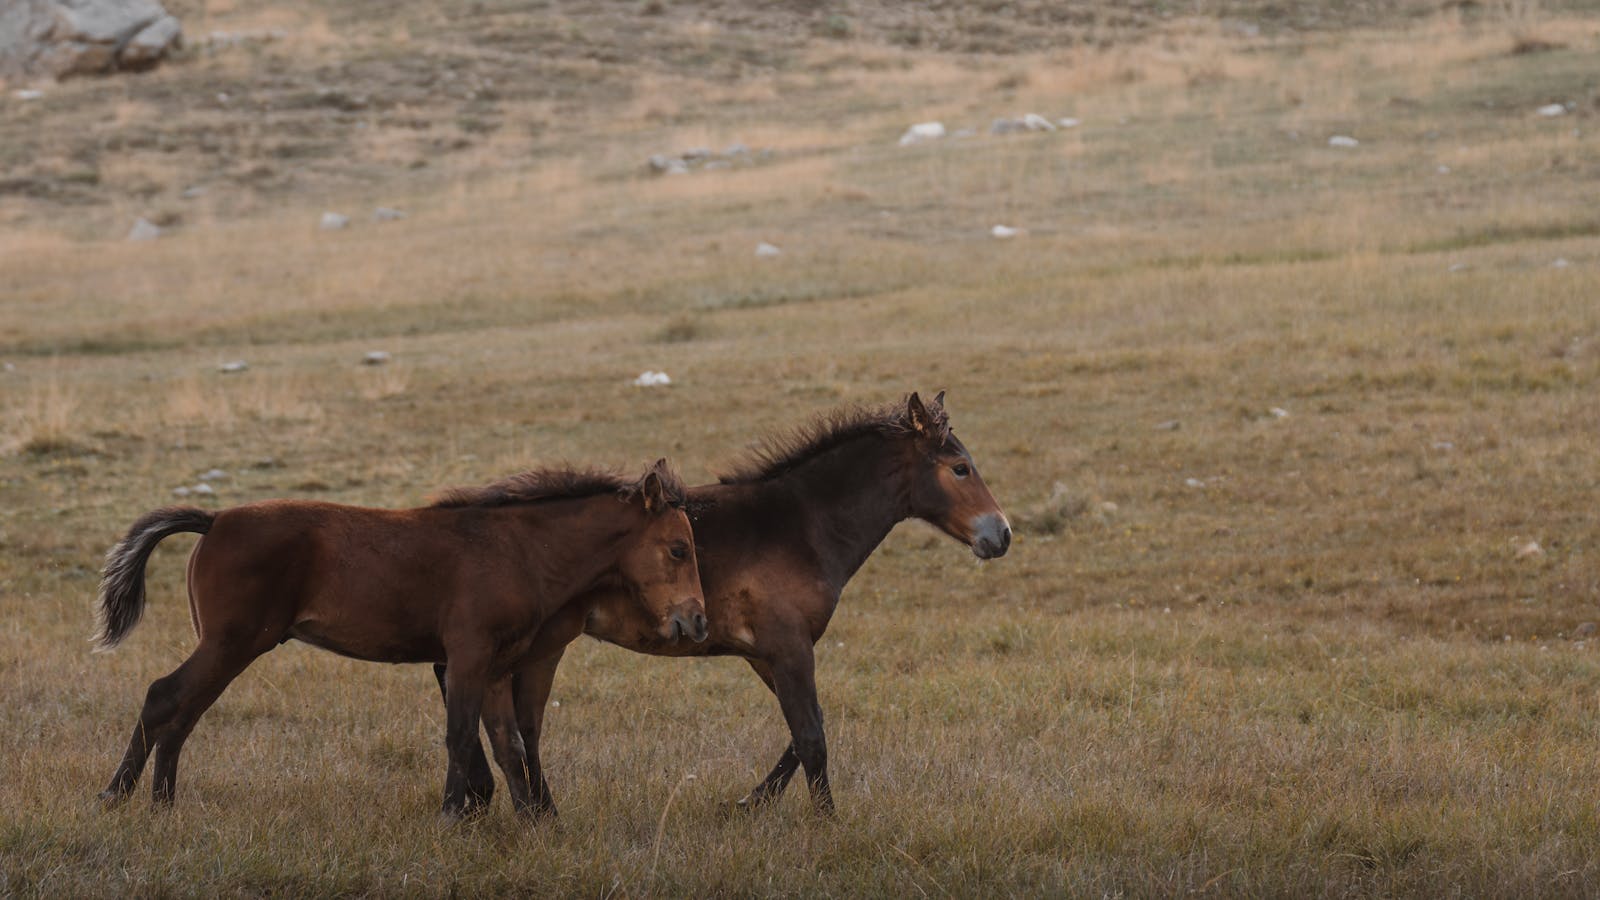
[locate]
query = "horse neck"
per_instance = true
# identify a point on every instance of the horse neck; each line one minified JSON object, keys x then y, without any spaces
{"x":850,"y":497}
{"x":580,"y":543}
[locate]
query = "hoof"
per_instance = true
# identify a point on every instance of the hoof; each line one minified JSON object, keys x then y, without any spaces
{"x":745,"y":806}
{"x":537,"y":815}
{"x":450,"y":816}
{"x":110,"y":799}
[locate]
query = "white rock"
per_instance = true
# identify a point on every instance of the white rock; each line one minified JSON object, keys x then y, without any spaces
{"x":1550,"y":111}
{"x":229,"y":368}
{"x":736,"y":150}
{"x":203,"y":489}
{"x":1194,"y":482}
{"x":28,"y":94}
{"x":213,"y":475}
{"x":652,"y":379}
{"x":61,"y":38}
{"x":1036,"y":122}
{"x":388,"y":214}
{"x":1003,"y":232}
{"x":677,"y":167}
{"x":1068,"y":122}
{"x":1530,"y":550}
{"x":922,"y":131}
{"x":144,"y":230}
{"x":332,"y":221}
{"x":765,"y":250}
{"x":1169,"y":425}
{"x":1343,"y":140}
{"x":1443,"y":170}
{"x":1279,"y":412}
{"x":1560,"y":263}
{"x":152,"y":43}
{"x":1459,"y":267}
{"x":375,"y":358}
{"x":180,"y":492}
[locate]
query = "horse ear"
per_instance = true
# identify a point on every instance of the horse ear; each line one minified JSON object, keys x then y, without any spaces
{"x":655,"y":497}
{"x":917,"y":413}
{"x":939,"y":400}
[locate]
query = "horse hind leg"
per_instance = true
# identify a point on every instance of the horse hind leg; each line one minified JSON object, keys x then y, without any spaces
{"x":160,"y":703}
{"x":190,"y":692}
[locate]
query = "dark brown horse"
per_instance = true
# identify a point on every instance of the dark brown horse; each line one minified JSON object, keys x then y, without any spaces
{"x":779,"y":537}
{"x":468,"y":580}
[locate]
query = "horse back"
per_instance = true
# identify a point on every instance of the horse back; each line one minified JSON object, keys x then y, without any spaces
{"x":369,"y":583}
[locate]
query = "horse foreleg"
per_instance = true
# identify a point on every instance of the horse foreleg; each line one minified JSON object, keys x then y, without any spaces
{"x":777,"y":780}
{"x":464,"y":690}
{"x":500,"y":720}
{"x":533,"y":685}
{"x":794,"y":681}
{"x":480,"y":780}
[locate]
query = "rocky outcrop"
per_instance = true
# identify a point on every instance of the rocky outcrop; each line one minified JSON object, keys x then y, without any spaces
{"x":62,"y":38}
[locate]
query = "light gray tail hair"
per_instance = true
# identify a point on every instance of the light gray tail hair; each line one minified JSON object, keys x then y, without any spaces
{"x":122,"y":582}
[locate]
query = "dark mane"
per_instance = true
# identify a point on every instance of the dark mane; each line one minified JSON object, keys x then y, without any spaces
{"x":535,"y":485}
{"x":776,"y":454}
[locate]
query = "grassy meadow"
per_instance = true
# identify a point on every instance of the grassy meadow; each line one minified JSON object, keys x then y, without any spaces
{"x":1299,"y":440}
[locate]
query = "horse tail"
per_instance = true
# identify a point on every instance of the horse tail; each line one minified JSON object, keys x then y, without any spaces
{"x":122,"y":582}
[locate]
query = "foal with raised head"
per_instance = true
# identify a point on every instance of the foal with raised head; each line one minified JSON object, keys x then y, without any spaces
{"x":779,"y":537}
{"x":468,"y":580}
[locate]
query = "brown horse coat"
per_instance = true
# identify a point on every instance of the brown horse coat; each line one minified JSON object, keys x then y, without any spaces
{"x":468,"y":580}
{"x":779,"y":538}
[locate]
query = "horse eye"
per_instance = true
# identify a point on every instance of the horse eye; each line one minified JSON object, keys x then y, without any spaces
{"x":678,"y":551}
{"x":961,"y":470}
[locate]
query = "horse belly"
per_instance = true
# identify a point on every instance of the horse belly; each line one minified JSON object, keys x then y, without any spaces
{"x":362,"y":643}
{"x":375,"y":609}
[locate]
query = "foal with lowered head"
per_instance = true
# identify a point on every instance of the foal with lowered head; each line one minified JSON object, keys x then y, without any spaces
{"x":468,"y":580}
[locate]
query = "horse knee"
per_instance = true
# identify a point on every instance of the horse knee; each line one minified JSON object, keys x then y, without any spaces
{"x":812,"y":751}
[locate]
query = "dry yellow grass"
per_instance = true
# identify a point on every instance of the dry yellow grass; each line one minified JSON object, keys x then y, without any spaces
{"x":1248,"y":654}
